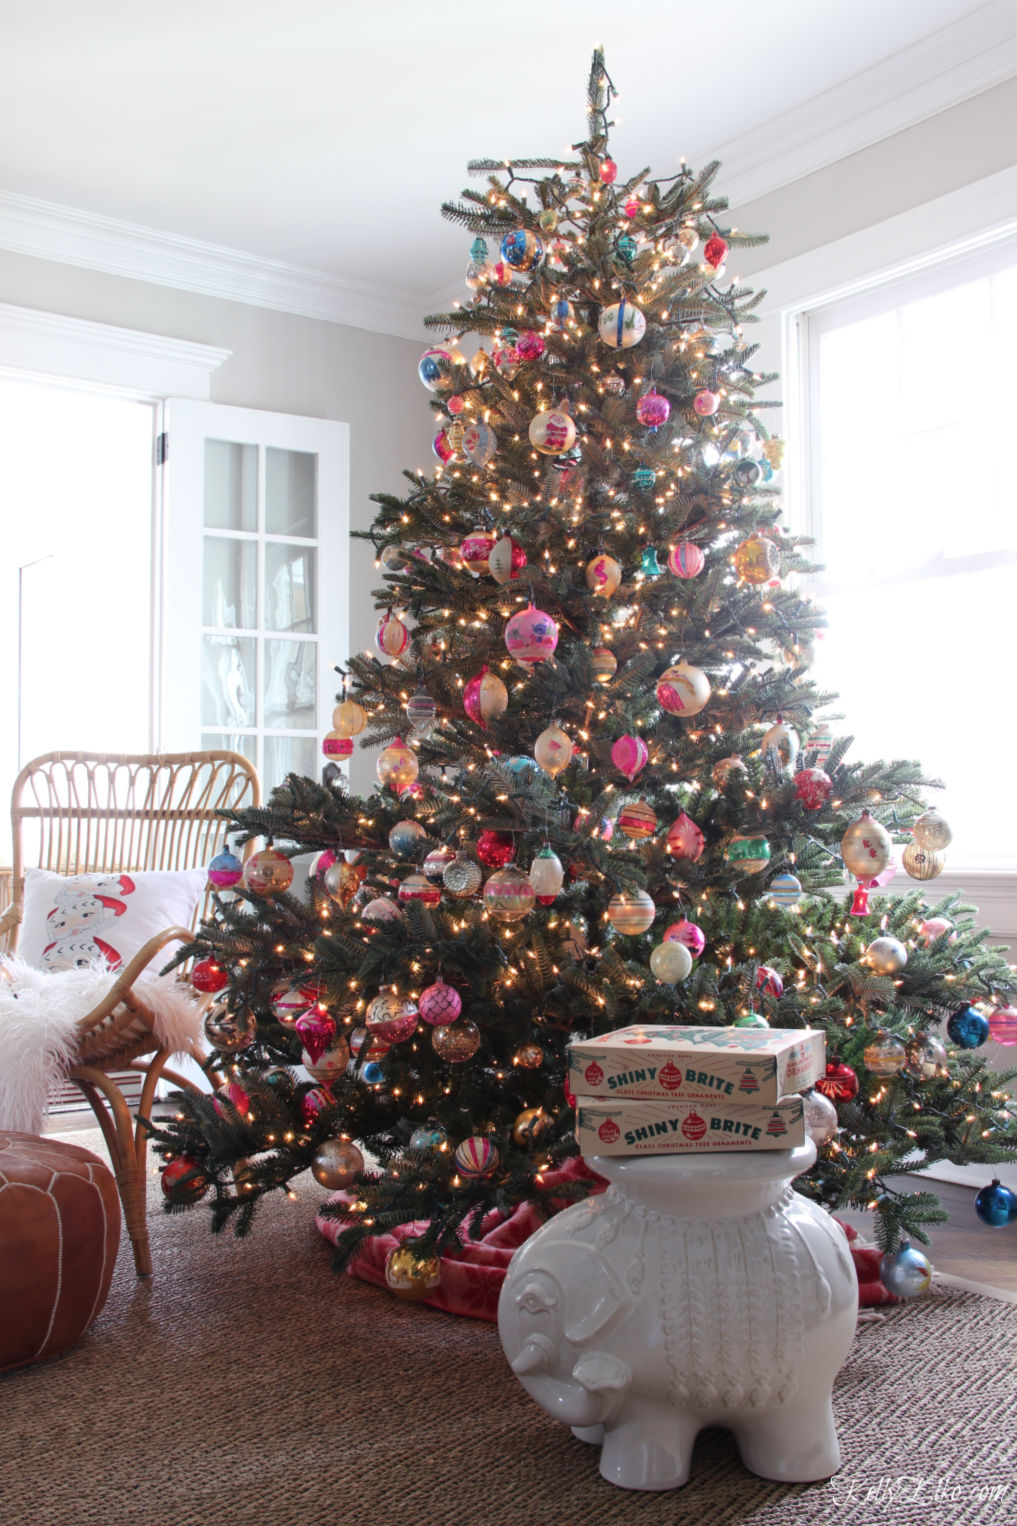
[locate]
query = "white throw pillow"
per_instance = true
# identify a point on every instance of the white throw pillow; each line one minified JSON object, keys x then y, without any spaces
{"x":75,"y":920}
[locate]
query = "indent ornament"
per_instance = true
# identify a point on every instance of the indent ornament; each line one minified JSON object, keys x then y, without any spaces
{"x":813,"y":788}
{"x":653,"y":410}
{"x":462,"y":877}
{"x":437,"y":367}
{"x":421,"y":712}
{"x":783,"y":740}
{"x":405,"y":837}
{"x":485,"y":697}
{"x":996,"y":1205}
{"x":840,"y":1082}
{"x":757,"y":560}
{"x":507,"y":559}
{"x":906,"y":1273}
{"x":479,"y":442}
{"x":685,"y":840}
{"x":926,"y":1057}
{"x":522,"y":249}
{"x":968,"y":1028}
{"x":886,"y":955}
{"x":931,"y":831}
{"x":268,"y":873}
{"x":553,"y":750}
{"x":410,"y":1278}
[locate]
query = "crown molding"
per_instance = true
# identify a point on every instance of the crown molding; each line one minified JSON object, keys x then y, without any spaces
{"x":940,"y":71}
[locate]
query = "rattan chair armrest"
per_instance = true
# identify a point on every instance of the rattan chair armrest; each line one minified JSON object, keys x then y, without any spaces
{"x":120,"y":991}
{"x":10,"y":921}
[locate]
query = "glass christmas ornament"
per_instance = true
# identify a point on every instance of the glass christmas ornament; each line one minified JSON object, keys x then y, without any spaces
{"x":747,"y":852}
{"x":521,"y":767}
{"x":182,"y":1180}
{"x":685,"y":840}
{"x":397,"y":766}
{"x":630,"y":756}
{"x":405,"y":837}
{"x":546,"y":875}
{"x":637,"y":820}
{"x":437,"y":367}
{"x":626,"y":249}
{"x":756,"y":560}
{"x":335,"y":1164}
{"x":820,"y":744}
{"x":603,"y":664}
{"x":476,"y":549}
{"x":485,"y":697}
{"x":821,"y":1119}
{"x":435,"y":863}
{"x":314,"y":1103}
{"x":479,"y":442}
{"x":935,"y":927}
{"x":603,"y":575}
{"x":372,"y":1074}
{"x":440,"y":1004}
{"x":926,"y":1057}
{"x":531,"y":635}
{"x":316,"y":1030}
{"x":530,"y":1126}
{"x":529,"y":1057}
{"x":496,"y":849}
{"x":391,"y":1018}
{"x":621,"y":325}
{"x":209,"y":976}
{"x":462,"y":876}
{"x":479,"y":250}
{"x":670,"y":963}
{"x":653,"y":410}
{"x":840,"y":1083}
{"x":417,"y":887}
{"x":813,"y":788}
{"x":552,"y":432}
{"x":608,"y":171}
{"x":289,"y":998}
{"x":906,"y":1273}
{"x":231,"y":1098}
{"x":769,"y":981}
{"x":349,"y":718}
{"x":392,"y":637}
{"x":561,"y":313}
{"x":751,"y":1020}
{"x":456,"y":1043}
{"x":885,"y":1055}
{"x":330,"y":1063}
{"x":230,"y":1032}
{"x":706,"y":403}
{"x":726,"y":769}
{"x":321,"y":863}
{"x":268,"y":873}
{"x":685,"y":560}
{"x":783,"y":740}
{"x":886,"y":956}
{"x":714,"y":251}
{"x":648,"y":564}
{"x":476,"y":276}
{"x":968,"y":1028}
{"x":553,"y":750}
{"x":522,"y":249}
{"x":631,"y":208}
{"x":508,"y":894}
{"x":428,"y":1136}
{"x":996,"y":1205}
{"x":1003,"y":1025}
{"x":421,"y":712}
{"x":529,"y":346}
{"x":631,"y":912}
{"x":411,"y":1278}
{"x":644,"y":478}
{"x":507,"y":559}
{"x":683,"y":690}
{"x":381,"y":909}
{"x":476,"y":1157}
{"x":865,"y":847}
{"x":922,"y":863}
{"x":931,"y":831}
{"x":335,"y":746}
{"x":785,"y":890}
{"x":225,"y":870}
{"x":688,"y":933}
{"x":506,"y":361}
{"x":547,"y":220}
{"x":441,"y":447}
{"x":747,"y":472}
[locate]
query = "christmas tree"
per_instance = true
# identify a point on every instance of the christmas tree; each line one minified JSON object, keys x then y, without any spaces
{"x":607,"y":793}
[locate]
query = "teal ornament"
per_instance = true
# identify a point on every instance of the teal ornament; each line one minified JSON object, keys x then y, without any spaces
{"x":765,"y":470}
{"x":785,"y":890}
{"x":522,"y":249}
{"x":751,"y":1020}
{"x":749,"y":852}
{"x":649,"y":566}
{"x":405,"y":837}
{"x":429,"y":1136}
{"x":373,"y":1073}
{"x":906,"y":1273}
{"x":509,"y":334}
{"x":968,"y":1028}
{"x":996,"y":1205}
{"x":522,"y":768}
{"x":479,"y":250}
{"x":643,"y":479}
{"x":626,"y":248}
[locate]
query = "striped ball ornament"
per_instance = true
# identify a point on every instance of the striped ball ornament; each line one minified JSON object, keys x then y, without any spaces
{"x":785,"y":890}
{"x":630,"y":756}
{"x":686,"y":560}
{"x":349,"y":718}
{"x":603,"y":665}
{"x":637,"y":820}
{"x":922,"y":863}
{"x":475,"y":1157}
{"x":508,"y":894}
{"x":392,"y":637}
{"x":631,"y":912}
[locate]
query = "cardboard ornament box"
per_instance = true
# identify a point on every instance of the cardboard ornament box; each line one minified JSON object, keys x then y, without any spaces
{"x":605,"y":1126}
{"x":690,"y":1064}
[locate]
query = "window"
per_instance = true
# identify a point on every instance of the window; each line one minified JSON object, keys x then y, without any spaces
{"x":911,"y":394}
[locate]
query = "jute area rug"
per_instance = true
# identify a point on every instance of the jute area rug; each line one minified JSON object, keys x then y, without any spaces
{"x":245,"y":1384}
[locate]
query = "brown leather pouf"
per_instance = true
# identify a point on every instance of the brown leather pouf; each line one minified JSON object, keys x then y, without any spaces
{"x":59,"y":1232}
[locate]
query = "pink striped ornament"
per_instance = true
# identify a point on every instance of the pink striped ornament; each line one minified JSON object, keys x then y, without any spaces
{"x":630,"y":756}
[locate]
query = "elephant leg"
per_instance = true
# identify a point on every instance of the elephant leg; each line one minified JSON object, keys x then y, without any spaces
{"x":795,"y":1444}
{"x":594,"y":1434}
{"x":648,"y":1446}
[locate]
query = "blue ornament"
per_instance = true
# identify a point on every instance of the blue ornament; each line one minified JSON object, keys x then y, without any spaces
{"x":560,"y":312}
{"x":766,"y":470}
{"x":522,"y":768}
{"x":968,"y":1028}
{"x":996,"y":1205}
{"x":225,"y":870}
{"x":649,"y":566}
{"x":478,"y":250}
{"x":373,"y":1073}
{"x":522,"y":249}
{"x":428,"y":1137}
{"x":643,"y":478}
{"x":626,"y":248}
{"x":405,"y":837}
{"x":906,"y":1273}
{"x":785,"y":890}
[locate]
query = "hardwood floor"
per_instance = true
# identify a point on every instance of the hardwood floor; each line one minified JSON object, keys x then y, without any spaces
{"x":964,"y":1246}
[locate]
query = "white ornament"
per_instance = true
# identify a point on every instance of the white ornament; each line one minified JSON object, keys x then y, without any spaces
{"x":621,"y":325}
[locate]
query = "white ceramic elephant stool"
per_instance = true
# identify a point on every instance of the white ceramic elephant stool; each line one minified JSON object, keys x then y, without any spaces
{"x":697,"y":1290}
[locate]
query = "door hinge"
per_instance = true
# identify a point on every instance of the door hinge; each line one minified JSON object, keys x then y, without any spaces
{"x":161,"y":448}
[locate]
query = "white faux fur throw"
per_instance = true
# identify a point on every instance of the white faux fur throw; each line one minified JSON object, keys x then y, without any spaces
{"x":39,"y":1013}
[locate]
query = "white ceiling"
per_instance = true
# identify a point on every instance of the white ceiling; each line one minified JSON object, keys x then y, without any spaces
{"x":325,"y":134}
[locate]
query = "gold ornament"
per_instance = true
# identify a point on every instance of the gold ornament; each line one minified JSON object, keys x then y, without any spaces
{"x":343,"y":880}
{"x":553,"y":750}
{"x":409,"y":1277}
{"x":603,"y":575}
{"x":529,"y":1057}
{"x":530,"y":1126}
{"x":757,"y":560}
{"x":931,"y":831}
{"x":349,"y":718}
{"x":922,"y":863}
{"x":336,"y":1162}
{"x":773,"y":450}
{"x":865,"y":847}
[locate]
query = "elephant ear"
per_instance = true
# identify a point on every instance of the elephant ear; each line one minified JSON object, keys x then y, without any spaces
{"x":600,"y":1372}
{"x":592,"y":1292}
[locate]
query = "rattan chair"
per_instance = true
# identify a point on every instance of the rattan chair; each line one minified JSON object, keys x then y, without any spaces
{"x":79,"y":813}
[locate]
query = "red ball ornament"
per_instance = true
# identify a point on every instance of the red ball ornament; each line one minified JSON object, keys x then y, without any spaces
{"x":496,"y":849}
{"x":813,"y":788}
{"x":714,"y":251}
{"x":706,"y":403}
{"x":173,"y":1184}
{"x":335,"y":746}
{"x":632,"y":207}
{"x":529,"y":346}
{"x":769,"y":981}
{"x":455,"y":404}
{"x":209,"y":975}
{"x":608,"y":171}
{"x":653,"y":410}
{"x":840,"y":1083}
{"x":476,"y":549}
